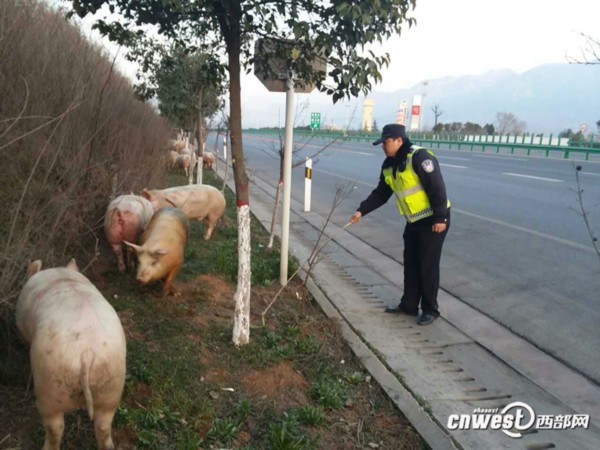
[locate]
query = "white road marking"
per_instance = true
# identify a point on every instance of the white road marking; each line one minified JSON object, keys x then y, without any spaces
{"x":590,"y":173}
{"x":573,"y":244}
{"x":453,"y":157}
{"x":554,"y":180}
{"x":452,"y":165}
{"x":501,"y":156}
{"x":353,"y":151}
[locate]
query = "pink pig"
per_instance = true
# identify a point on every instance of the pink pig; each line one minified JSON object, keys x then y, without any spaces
{"x":201,"y":202}
{"x":161,"y":248}
{"x":77,"y":349}
{"x":126,"y":217}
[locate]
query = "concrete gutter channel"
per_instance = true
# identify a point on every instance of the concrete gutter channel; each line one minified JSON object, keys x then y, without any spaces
{"x":463,"y":361}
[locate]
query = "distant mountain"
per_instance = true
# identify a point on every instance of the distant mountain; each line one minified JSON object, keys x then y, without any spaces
{"x":549,"y":98}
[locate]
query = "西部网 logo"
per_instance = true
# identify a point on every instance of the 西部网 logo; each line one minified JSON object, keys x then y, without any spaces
{"x":514,"y":419}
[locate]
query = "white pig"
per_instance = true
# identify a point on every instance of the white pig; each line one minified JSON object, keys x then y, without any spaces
{"x":77,"y":349}
{"x":208,"y":159}
{"x":172,"y":159}
{"x":161,"y":250}
{"x":183,"y":162}
{"x":201,"y":202}
{"x":126,"y":217}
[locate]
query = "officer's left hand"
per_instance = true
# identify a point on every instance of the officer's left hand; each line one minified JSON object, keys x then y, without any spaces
{"x":438,"y":227}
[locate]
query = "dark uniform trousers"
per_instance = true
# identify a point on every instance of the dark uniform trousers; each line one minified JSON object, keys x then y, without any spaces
{"x":422,"y":253}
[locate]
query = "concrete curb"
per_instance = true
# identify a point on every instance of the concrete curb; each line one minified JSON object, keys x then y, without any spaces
{"x":429,"y":430}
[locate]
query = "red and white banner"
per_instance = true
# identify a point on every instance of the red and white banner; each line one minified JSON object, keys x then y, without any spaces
{"x":415,"y":113}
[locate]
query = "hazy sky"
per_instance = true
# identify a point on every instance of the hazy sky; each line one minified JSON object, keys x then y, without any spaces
{"x":460,"y":37}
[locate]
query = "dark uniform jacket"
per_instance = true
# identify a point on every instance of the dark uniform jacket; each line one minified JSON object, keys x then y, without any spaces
{"x":432,"y":182}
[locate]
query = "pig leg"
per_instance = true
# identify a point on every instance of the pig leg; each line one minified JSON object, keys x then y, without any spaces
{"x":54,"y":426}
{"x":116,"y":248}
{"x":131,"y":255}
{"x":209,"y":226}
{"x":168,"y":288}
{"x":103,"y":427}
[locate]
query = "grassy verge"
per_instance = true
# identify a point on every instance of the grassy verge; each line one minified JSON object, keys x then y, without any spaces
{"x":295,"y":386}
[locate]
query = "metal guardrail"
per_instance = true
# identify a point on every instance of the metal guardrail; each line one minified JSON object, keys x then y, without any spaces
{"x":474,"y":143}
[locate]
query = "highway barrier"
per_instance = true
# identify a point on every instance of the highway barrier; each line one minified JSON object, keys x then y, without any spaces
{"x":586,"y":148}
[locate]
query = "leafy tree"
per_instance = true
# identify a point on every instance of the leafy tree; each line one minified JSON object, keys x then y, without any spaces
{"x":438,"y":127}
{"x":489,"y":128}
{"x":566,"y":133}
{"x":472,"y":128}
{"x":339,"y":30}
{"x":182,"y":90}
{"x":456,"y":126}
{"x":598,"y":125}
{"x":577,"y":138}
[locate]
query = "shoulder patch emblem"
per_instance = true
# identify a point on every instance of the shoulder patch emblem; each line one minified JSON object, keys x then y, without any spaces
{"x":428,"y":166}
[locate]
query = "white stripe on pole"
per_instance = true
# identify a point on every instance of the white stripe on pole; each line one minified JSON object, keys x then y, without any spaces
{"x":307,"y":183}
{"x":225,"y":149}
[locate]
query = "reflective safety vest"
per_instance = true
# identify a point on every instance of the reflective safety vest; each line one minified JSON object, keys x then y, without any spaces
{"x":411,"y":198}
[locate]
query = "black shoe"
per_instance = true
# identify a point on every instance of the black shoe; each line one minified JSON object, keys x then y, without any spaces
{"x":399,"y":309}
{"x":425,"y":319}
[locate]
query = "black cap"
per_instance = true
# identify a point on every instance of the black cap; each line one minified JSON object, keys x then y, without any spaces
{"x":391,"y":130}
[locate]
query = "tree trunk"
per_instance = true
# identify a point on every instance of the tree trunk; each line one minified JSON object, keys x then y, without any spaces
{"x":241,"y":318}
{"x":241,"y":326}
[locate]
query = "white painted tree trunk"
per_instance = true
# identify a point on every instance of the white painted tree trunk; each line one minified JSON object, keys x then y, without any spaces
{"x":241,"y":318}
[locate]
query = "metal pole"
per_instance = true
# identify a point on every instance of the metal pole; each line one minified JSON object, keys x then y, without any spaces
{"x":287,"y":179}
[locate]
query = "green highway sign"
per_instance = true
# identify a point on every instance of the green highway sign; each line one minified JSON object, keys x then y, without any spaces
{"x":315,"y":120}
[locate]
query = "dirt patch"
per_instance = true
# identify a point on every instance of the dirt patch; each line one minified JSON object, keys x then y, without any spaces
{"x":281,"y":383}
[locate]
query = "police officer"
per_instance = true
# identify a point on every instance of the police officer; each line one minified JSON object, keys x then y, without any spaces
{"x":413,"y":174}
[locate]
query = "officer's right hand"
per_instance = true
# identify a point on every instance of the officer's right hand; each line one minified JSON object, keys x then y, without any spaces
{"x":355,"y":217}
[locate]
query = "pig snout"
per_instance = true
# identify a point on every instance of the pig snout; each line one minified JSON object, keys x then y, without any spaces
{"x":144,"y":276}
{"x":150,"y":270}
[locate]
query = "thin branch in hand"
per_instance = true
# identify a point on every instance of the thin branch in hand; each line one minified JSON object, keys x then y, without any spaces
{"x":341,"y":193}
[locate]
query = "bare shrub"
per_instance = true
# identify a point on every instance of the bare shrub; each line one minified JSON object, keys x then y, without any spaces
{"x":69,"y":127}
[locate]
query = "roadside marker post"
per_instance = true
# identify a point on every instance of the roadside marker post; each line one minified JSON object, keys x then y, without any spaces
{"x":307,"y":183}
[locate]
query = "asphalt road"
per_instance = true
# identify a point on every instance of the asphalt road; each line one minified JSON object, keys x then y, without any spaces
{"x":518,"y":249}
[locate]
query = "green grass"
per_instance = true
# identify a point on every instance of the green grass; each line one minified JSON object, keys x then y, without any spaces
{"x":184,"y":387}
{"x":286,"y":434}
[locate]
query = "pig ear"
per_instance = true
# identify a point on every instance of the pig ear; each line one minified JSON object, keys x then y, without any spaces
{"x":73,"y":265}
{"x":145,"y":193}
{"x":34,"y":268}
{"x":160,"y":252}
{"x":137,"y":248}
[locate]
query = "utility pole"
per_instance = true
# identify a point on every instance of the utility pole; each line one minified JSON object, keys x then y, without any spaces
{"x":287,"y":178}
